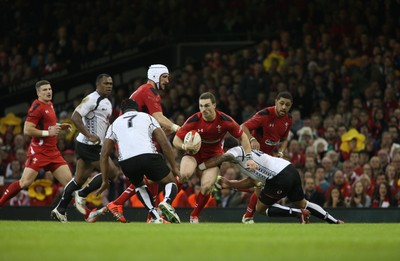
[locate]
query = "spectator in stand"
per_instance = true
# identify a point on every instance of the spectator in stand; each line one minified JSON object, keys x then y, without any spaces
{"x":335,"y":158}
{"x":355,"y":159}
{"x":20,"y":157}
{"x":332,"y":138}
{"x":334,"y":199}
{"x":14,"y":171}
{"x":320,"y":180}
{"x":312,"y":194}
{"x":382,"y":198}
{"x":366,"y":180}
{"x":392,"y":179}
{"x":348,"y":170}
{"x":384,"y":157}
{"x":385,"y":142}
{"x":295,"y":154}
{"x":394,"y":132}
{"x":377,"y":123}
{"x":3,"y":166}
{"x":351,"y":141}
{"x":329,"y":168}
{"x":320,"y":146}
{"x":306,"y":137}
{"x":310,"y":165}
{"x":376,"y":167}
{"x":364,"y":157}
{"x":297,"y":120}
{"x":359,"y":197}
{"x":339,"y":181}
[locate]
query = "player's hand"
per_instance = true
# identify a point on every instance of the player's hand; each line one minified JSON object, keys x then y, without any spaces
{"x":54,"y":130}
{"x":104,"y":186}
{"x":192,"y":147}
{"x":94,"y":139}
{"x":250,"y":164}
{"x":65,"y":126}
{"x":224,"y":183}
{"x":176,"y":172}
{"x":255,"y":145}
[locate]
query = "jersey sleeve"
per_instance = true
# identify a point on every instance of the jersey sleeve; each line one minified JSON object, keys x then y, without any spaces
{"x":85,"y":106}
{"x":153,"y":102}
{"x":255,"y":122}
{"x":34,"y":114}
{"x":153,"y":124}
{"x":234,"y":129}
{"x":110,"y":134}
{"x":235,"y":151}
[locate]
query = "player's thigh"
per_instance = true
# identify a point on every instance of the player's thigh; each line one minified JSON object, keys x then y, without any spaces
{"x":83,"y":170}
{"x":208,"y":178}
{"x":112,"y":169}
{"x":300,"y":204}
{"x":260,"y":207}
{"x":63,"y":174}
{"x":28,"y":176}
{"x":188,"y":166}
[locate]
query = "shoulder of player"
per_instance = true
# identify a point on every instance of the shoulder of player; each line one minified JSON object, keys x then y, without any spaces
{"x":150,"y":89}
{"x":36,"y":104}
{"x":268,"y":111}
{"x":143,"y":92}
{"x":194,"y":118}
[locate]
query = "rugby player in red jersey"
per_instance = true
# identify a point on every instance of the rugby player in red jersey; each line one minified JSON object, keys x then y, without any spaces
{"x":149,"y":101}
{"x":212,"y":125}
{"x":267,"y":130}
{"x":41,"y":124}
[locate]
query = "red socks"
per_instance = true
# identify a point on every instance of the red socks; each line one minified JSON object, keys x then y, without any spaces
{"x":129,"y":192}
{"x":201,"y":201}
{"x":251,"y":206}
{"x":10,"y":192}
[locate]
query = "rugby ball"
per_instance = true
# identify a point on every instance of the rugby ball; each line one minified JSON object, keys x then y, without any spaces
{"x":194,"y":137}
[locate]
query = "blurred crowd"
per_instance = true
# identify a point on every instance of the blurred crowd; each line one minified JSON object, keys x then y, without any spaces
{"x":339,"y":59}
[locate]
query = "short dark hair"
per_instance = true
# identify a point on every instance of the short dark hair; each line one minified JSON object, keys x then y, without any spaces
{"x":101,"y":76}
{"x":40,"y":84}
{"x":286,"y":95}
{"x":208,"y":95}
{"x":128,"y":104}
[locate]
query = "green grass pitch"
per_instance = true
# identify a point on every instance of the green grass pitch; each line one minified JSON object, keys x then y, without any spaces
{"x":73,"y":241}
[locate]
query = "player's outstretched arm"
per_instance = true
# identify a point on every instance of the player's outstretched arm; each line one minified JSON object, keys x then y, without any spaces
{"x":106,"y":150}
{"x":238,"y":184}
{"x":168,"y":126}
{"x":216,"y":161}
{"x":166,"y":147}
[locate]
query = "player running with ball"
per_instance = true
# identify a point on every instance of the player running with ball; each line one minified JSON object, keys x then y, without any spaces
{"x":212,"y":125}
